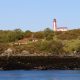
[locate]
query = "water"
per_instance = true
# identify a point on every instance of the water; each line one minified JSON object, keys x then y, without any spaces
{"x":40,"y":75}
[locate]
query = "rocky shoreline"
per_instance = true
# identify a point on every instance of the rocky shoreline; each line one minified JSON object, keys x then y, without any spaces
{"x":39,"y":63}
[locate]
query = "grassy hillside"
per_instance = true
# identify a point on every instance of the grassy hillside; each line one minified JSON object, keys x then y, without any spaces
{"x":44,"y":42}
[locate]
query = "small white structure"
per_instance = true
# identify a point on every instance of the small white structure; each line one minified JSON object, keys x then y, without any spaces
{"x":62,"y":29}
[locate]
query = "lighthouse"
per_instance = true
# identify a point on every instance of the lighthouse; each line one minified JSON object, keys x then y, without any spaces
{"x":55,"y":28}
{"x":54,"y":25}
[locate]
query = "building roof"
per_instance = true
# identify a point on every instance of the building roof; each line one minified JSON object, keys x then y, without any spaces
{"x":62,"y":28}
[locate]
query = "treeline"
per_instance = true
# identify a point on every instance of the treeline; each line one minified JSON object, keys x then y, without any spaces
{"x":7,"y":36}
{"x":48,"y":34}
{"x":49,"y":42}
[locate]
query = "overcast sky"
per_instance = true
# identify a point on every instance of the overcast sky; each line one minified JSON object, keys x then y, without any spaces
{"x":37,"y":15}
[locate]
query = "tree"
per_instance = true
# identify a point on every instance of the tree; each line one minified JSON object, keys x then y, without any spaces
{"x":71,"y":46}
{"x":18,"y":34}
{"x":27,"y":34}
{"x":48,"y":34}
{"x":54,"y":47}
{"x":39,"y":35}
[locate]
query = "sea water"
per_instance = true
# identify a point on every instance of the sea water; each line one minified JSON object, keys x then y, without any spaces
{"x":40,"y":75}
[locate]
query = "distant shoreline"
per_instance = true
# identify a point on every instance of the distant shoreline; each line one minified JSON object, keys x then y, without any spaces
{"x":39,"y":63}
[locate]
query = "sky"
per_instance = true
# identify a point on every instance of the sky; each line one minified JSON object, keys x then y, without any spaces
{"x":36,"y":15}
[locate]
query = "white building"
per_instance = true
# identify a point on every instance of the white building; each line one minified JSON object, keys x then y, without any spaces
{"x":55,"y":28}
{"x":62,"y":29}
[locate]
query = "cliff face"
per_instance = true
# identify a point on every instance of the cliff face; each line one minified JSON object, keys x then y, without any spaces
{"x":38,"y":62}
{"x":11,"y":52}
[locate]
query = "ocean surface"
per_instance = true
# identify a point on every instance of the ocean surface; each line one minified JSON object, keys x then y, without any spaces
{"x":40,"y":75}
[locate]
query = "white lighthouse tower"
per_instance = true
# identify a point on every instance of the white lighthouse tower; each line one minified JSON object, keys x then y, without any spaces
{"x":54,"y":25}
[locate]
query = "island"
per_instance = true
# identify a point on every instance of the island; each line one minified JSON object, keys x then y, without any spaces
{"x":41,"y":50}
